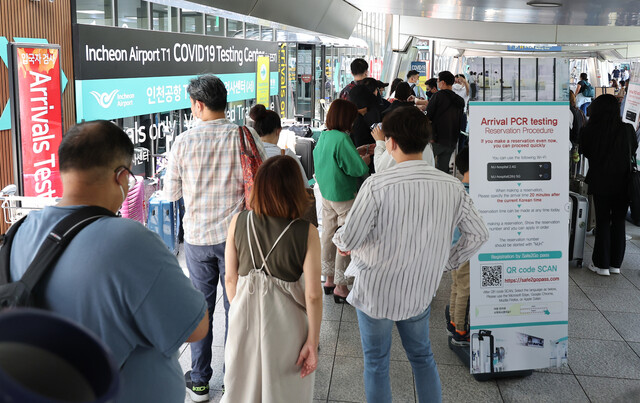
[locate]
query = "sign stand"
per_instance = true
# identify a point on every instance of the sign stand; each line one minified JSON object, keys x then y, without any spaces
{"x":35,"y":90}
{"x":519,"y":279}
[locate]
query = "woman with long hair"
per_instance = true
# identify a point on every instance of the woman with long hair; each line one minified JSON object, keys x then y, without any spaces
{"x":392,"y":89}
{"x":338,"y":167}
{"x":275,"y":313}
{"x":608,"y":144}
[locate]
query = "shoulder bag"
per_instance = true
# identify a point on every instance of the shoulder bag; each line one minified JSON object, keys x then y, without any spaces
{"x":250,"y":159}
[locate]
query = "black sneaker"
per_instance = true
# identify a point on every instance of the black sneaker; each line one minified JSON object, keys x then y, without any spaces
{"x":198,"y":392}
{"x":460,"y":339}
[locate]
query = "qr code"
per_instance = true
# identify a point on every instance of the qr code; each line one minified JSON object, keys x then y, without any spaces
{"x":492,"y":276}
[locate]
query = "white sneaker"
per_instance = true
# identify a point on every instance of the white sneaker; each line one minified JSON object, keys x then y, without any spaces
{"x":614,"y":270}
{"x":602,"y":272}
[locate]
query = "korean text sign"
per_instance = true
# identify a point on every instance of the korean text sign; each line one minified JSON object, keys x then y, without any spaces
{"x":37,"y":93}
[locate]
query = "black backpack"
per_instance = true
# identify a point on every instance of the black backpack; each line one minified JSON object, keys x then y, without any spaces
{"x":20,"y":293}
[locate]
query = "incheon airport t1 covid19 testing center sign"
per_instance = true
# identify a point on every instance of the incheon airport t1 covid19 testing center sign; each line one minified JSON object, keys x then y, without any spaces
{"x":519,"y":182}
{"x":123,"y":72}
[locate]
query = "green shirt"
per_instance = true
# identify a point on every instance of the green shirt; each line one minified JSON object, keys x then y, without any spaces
{"x":338,"y":166}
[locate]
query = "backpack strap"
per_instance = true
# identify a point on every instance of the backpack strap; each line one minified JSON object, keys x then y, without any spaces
{"x":56,"y":242}
{"x":5,"y":250}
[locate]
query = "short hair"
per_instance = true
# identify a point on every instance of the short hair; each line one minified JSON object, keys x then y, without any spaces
{"x":583,"y":76}
{"x":359,"y":66}
{"x":412,"y":73}
{"x":278,"y":189}
{"x":265,"y":120}
{"x":96,"y":144}
{"x":362,"y":96}
{"x":341,"y":115}
{"x":432,"y":83}
{"x":370,"y":83}
{"x":447,"y":77}
{"x":409,"y":128}
{"x":403,"y":91}
{"x":462,"y":161}
{"x":209,"y":90}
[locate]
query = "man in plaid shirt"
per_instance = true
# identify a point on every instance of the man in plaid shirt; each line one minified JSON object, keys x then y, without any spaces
{"x":205,"y":169}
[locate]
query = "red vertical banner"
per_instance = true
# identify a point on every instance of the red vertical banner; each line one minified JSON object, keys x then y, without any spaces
{"x":37,"y":99}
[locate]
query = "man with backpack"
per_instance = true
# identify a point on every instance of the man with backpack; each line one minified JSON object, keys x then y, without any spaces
{"x":115,"y":277}
{"x":446,"y":110}
{"x":584,"y":90}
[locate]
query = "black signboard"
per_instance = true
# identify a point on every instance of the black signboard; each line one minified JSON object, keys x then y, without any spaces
{"x":108,"y":52}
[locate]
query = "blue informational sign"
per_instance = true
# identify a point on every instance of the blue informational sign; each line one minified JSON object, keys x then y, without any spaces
{"x":534,"y":48}
{"x":420,"y":67}
{"x":122,"y":97}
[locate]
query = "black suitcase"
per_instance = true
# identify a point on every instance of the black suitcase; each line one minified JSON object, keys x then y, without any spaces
{"x":304,"y":151}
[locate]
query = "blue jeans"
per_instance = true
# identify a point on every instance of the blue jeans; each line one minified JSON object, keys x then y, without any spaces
{"x":375,"y":335}
{"x":206,"y":266}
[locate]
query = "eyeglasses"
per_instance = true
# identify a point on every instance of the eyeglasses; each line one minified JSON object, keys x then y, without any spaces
{"x":131,"y":177}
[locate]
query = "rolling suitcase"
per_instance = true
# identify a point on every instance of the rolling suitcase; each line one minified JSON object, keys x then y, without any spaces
{"x":304,"y":151}
{"x":164,"y":220}
{"x":577,"y":226}
{"x":133,"y":206}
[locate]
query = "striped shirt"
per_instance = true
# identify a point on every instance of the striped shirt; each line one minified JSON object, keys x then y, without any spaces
{"x":204,"y":168}
{"x":399,"y":232}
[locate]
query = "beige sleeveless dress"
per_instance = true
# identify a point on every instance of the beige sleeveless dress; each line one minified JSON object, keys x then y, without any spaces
{"x":267,"y":318}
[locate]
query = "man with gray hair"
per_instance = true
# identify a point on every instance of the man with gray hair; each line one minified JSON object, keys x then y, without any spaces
{"x":205,"y":169}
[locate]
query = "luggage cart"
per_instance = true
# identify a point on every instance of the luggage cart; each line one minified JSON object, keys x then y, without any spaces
{"x":15,"y":207}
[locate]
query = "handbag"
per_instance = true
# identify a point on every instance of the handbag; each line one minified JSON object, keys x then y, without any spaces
{"x":250,"y":160}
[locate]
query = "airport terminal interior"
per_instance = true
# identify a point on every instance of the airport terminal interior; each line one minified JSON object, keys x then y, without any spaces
{"x":543,"y":325}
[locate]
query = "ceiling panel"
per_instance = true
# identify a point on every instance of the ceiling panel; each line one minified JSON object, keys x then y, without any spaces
{"x":572,"y":12}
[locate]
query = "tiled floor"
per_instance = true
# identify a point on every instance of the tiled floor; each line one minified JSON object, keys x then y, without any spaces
{"x":604,"y":348}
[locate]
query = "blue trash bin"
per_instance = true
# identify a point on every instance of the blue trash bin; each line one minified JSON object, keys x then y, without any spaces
{"x":45,"y":358}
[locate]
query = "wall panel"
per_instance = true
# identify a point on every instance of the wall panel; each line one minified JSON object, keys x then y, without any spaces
{"x":29,"y":19}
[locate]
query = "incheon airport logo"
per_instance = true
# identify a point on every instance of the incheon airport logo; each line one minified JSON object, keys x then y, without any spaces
{"x":105,"y":99}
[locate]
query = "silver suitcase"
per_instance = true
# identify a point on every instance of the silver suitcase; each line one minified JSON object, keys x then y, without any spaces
{"x":577,"y":226}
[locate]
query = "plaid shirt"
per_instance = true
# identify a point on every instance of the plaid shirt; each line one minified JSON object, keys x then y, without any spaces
{"x":205,"y":168}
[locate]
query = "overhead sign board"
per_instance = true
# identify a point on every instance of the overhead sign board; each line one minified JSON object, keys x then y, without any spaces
{"x":126,"y":72}
{"x":534,"y":48}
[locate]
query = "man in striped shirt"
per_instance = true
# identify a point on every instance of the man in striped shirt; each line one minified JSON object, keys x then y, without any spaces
{"x":399,"y":233}
{"x":205,"y":169}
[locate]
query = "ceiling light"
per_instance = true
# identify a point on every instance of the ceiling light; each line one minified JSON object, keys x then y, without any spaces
{"x":90,"y":12}
{"x":539,"y":3}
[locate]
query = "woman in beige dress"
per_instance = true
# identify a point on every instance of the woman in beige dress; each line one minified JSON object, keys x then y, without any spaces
{"x":273,"y":284}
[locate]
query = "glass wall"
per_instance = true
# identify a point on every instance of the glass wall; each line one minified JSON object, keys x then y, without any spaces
{"x":133,"y":14}
{"x":160,"y":15}
{"x":191,"y":22}
{"x":214,"y":25}
{"x":235,"y":29}
{"x":520,"y":79}
{"x":95,"y":12}
{"x":251,"y":31}
{"x":546,"y":77}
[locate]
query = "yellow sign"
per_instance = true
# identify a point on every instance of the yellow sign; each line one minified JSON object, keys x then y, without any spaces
{"x":262,"y":80}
